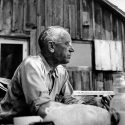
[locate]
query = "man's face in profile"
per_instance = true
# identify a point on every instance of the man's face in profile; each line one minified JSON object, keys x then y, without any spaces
{"x":63,"y":49}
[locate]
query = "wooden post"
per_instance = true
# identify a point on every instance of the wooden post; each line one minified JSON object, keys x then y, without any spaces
{"x":33,"y":42}
{"x":123,"y":45}
{"x":0,"y":59}
{"x":93,"y":15}
{"x":1,"y":14}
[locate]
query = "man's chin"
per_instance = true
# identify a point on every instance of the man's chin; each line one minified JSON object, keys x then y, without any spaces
{"x":66,"y":61}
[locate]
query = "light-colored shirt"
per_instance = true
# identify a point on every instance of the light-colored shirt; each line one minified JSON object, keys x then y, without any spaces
{"x":32,"y":86}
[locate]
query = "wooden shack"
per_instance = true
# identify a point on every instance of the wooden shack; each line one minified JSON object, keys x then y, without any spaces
{"x":97,"y":28}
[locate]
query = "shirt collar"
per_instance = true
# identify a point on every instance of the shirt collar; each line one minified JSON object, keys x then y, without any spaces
{"x":48,"y":68}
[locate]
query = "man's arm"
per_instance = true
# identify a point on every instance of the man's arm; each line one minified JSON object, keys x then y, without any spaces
{"x":43,"y":109}
{"x":67,"y":91}
{"x":34,"y":87}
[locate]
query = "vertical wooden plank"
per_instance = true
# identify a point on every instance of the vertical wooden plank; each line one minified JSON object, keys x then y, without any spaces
{"x":30,"y":14}
{"x":71,"y":9}
{"x":85,"y":18}
{"x":85,"y":26}
{"x":48,"y":13}
{"x":90,"y":10}
{"x":107,"y":25}
{"x":120,"y":30}
{"x":95,"y":76}
{"x":78,"y":19}
{"x":100,"y":76}
{"x":38,"y":8}
{"x":38,"y":32}
{"x":103,"y":24}
{"x":33,"y":40}
{"x":83,"y":81}
{"x":25,"y":14}
{"x":98,"y":21}
{"x":15,"y":14}
{"x":75,"y":18}
{"x":32,"y":10}
{"x":100,"y":86}
{"x":91,"y":80}
{"x":1,"y":14}
{"x":85,"y":78}
{"x":58,"y":12}
{"x":40,"y":24}
{"x":114,"y":23}
{"x":66,"y":14}
{"x":7,"y":17}
{"x":0,"y":59}
{"x":77,"y":80}
{"x":123,"y":44}
{"x":72,"y":20}
{"x":93,"y":19}
{"x":117,"y":37}
{"x":82,"y":2}
{"x":38,"y":18}
{"x":111,"y":22}
{"x":42,"y":12}
{"x":99,"y":82}
{"x":18,"y":17}
{"x":81,"y":10}
{"x":108,"y":81}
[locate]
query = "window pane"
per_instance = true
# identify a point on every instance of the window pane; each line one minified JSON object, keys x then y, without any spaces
{"x":81,"y":56}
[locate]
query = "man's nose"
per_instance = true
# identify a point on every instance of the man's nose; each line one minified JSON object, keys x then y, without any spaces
{"x":71,"y":49}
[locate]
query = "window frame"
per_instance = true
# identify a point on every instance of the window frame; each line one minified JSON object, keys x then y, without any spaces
{"x":24,"y":41}
{"x":84,"y":68}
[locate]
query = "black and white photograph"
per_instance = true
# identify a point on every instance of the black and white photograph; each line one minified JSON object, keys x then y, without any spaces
{"x":62,"y":62}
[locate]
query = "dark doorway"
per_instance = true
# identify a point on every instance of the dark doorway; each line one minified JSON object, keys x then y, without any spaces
{"x":11,"y":56}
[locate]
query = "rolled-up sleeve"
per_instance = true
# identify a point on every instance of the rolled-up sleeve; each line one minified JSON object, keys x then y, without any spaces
{"x":33,"y":84}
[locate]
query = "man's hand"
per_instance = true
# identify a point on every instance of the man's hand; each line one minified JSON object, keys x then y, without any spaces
{"x":105,"y":100}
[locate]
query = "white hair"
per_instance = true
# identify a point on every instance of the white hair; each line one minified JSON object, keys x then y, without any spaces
{"x":52,"y":33}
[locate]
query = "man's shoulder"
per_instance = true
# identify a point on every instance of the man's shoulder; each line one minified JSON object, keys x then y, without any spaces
{"x":33,"y":60}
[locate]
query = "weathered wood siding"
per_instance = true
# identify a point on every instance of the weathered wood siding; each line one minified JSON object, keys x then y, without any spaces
{"x":85,"y":20}
{"x":80,"y":78}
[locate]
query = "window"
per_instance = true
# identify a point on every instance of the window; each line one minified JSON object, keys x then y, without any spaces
{"x":108,"y":55}
{"x":12,"y":52}
{"x":82,"y":55}
{"x":80,"y":66}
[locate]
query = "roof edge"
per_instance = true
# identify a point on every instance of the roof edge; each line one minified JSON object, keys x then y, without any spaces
{"x":122,"y":13}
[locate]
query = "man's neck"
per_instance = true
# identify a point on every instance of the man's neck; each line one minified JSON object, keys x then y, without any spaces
{"x":50,"y":61}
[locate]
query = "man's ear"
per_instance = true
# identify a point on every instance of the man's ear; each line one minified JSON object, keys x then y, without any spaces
{"x":51,"y":46}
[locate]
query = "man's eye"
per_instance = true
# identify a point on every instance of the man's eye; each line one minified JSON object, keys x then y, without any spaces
{"x":67,"y":43}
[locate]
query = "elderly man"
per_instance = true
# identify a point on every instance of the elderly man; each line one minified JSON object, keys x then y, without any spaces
{"x":40,"y":79}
